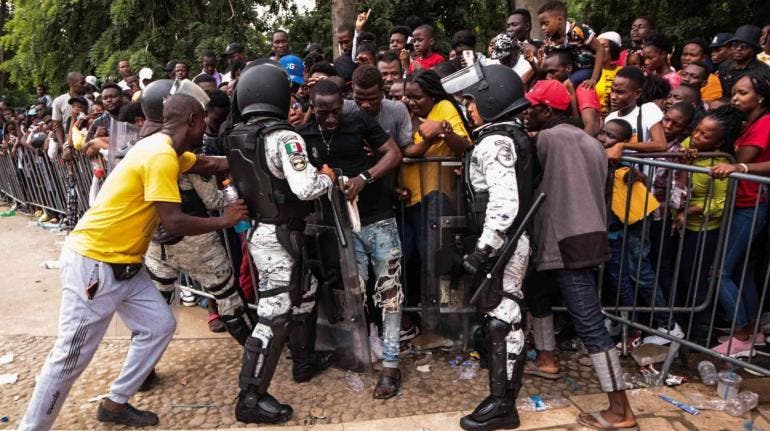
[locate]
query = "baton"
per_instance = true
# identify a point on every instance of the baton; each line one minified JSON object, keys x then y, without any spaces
{"x":508,"y":249}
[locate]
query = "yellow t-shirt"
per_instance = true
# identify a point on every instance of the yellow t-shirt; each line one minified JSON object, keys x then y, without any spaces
{"x":120,"y":224}
{"x":423,"y":178}
{"x":712,"y":90}
{"x":604,"y":88}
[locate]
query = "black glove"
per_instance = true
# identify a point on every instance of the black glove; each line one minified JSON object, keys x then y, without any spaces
{"x":476,"y":261}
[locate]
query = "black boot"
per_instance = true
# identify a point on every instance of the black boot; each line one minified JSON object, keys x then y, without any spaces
{"x":253,"y":408}
{"x":254,"y":404}
{"x":306,"y":362}
{"x":498,"y":410}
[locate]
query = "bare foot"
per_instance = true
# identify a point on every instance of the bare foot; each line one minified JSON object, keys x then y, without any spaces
{"x":546,"y":362}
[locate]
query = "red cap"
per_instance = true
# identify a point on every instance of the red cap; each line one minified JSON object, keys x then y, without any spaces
{"x":549,"y":92}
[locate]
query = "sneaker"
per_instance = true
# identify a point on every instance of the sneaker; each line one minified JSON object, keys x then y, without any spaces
{"x":632,"y":342}
{"x":409,"y":333}
{"x":764,"y":323}
{"x":655,"y":339}
{"x":44,"y":218}
{"x":128,"y":415}
{"x":739,"y":348}
{"x":759,"y":339}
{"x":188,"y":298}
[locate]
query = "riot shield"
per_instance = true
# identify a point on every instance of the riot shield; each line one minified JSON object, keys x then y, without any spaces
{"x":341,"y":293}
{"x":123,"y":136}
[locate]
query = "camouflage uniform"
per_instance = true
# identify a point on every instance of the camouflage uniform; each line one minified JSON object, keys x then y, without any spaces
{"x":492,"y":170}
{"x":202,"y":257}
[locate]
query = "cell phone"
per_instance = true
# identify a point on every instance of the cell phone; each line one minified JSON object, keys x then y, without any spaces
{"x":409,"y":44}
{"x":469,"y":57}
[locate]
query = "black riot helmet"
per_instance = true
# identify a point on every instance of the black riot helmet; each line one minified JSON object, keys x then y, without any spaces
{"x":499,"y":92}
{"x":263,"y":88}
{"x":152,"y":99}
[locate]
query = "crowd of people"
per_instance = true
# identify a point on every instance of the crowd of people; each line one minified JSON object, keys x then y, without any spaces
{"x":552,"y":116}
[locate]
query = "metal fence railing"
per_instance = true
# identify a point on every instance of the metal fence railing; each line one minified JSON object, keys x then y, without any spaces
{"x":696,"y":258}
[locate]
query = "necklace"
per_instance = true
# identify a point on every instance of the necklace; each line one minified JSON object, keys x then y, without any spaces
{"x":327,"y":144}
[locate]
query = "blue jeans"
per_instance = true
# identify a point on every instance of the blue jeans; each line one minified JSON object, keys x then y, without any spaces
{"x":744,"y":305}
{"x":578,"y":288}
{"x":379,"y":242}
{"x":636,"y":269}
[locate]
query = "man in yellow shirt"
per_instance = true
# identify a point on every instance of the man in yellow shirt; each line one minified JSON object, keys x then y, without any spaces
{"x":102,"y":273}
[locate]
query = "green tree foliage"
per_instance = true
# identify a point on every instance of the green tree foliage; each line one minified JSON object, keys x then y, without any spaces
{"x":48,"y":38}
{"x":680,"y":20}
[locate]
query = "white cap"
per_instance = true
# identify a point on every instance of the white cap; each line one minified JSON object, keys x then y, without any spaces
{"x":144,"y":73}
{"x":91,"y":79}
{"x":612,"y":36}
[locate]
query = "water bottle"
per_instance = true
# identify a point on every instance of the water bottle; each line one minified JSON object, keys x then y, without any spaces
{"x":231,"y":195}
{"x":537,"y":403}
{"x":742,"y":403}
{"x":708,"y":373}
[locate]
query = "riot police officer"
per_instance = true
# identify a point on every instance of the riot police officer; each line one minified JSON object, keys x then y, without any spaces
{"x":497,"y":174}
{"x":270,"y":168}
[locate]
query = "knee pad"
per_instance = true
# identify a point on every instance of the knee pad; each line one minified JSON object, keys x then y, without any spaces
{"x":496,"y":328}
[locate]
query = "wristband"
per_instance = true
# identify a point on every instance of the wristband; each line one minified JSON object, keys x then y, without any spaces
{"x":745,"y":167}
{"x":367,"y":177}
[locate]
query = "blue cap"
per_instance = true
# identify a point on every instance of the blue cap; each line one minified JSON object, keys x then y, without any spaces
{"x":294,"y":67}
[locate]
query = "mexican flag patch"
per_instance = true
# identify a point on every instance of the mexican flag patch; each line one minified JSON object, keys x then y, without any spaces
{"x":293,"y":147}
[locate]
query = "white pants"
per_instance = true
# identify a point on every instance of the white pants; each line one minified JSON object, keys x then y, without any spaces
{"x":83,"y":320}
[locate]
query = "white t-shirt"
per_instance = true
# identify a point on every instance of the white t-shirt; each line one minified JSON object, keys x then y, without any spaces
{"x":651,"y":115}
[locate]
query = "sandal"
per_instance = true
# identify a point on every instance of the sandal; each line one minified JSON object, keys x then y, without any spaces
{"x":603,"y":424}
{"x":391,"y":383}
{"x":531,"y":368}
{"x":216,"y":324}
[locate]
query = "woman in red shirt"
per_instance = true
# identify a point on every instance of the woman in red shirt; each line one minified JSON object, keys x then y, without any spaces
{"x":751,"y":95}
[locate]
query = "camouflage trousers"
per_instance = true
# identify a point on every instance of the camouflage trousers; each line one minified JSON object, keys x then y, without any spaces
{"x":204,"y":259}
{"x":509,"y":311}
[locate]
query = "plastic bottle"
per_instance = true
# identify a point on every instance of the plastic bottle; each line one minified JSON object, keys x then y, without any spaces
{"x":708,"y":373}
{"x":742,"y":403}
{"x":353,"y":381}
{"x":536,"y":403}
{"x":231,"y":195}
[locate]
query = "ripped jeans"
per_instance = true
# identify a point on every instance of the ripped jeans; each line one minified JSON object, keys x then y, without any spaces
{"x":379,"y":242}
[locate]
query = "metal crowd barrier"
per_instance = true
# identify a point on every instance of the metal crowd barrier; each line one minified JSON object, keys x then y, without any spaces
{"x":31,"y":178}
{"x":689,"y":285}
{"x":689,"y":265}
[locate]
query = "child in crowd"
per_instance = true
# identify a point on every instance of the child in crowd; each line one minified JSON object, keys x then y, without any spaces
{"x":696,"y":204}
{"x":423,"y":38}
{"x":559,"y":32}
{"x":629,"y":270}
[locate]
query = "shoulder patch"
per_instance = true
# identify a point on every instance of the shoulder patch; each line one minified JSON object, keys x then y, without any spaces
{"x":298,"y":161}
{"x":293,"y":147}
{"x":504,"y":153}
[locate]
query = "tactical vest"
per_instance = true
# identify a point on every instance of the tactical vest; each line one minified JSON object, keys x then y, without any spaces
{"x":269,"y":198}
{"x":526,"y":170}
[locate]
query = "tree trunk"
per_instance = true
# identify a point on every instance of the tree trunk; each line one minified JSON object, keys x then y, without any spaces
{"x":3,"y":10}
{"x":343,"y":12}
{"x":532,"y":6}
